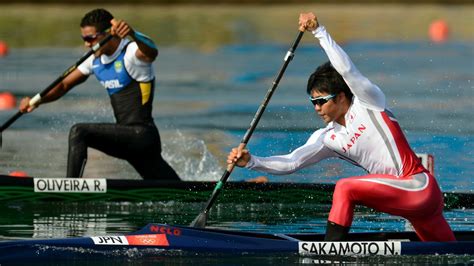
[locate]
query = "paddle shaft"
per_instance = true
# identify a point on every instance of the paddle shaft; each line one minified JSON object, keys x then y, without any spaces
{"x":201,"y":222}
{"x":38,"y":96}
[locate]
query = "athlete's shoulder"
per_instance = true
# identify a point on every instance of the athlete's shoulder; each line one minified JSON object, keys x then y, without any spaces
{"x":130,"y":44}
{"x":319,"y":134}
{"x":359,"y":104}
{"x":86,"y":67}
{"x":131,"y":55}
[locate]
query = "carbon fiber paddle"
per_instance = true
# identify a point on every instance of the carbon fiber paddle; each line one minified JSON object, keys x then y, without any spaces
{"x":201,"y":219}
{"x":38,"y":96}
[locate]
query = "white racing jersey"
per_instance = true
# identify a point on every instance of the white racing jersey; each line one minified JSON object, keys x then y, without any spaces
{"x":371,"y":138}
{"x":139,"y":70}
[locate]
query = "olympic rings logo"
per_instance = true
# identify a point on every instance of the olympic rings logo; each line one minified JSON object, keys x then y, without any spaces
{"x":148,"y":241}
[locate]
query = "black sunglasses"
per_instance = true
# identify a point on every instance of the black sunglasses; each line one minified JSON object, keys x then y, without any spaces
{"x":321,"y":100}
{"x":91,"y":37}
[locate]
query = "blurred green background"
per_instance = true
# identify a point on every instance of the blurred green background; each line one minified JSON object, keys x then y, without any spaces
{"x":209,"y":26}
{"x":251,"y":2}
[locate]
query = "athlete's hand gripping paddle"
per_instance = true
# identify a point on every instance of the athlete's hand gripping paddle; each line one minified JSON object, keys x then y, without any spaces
{"x":35,"y":100}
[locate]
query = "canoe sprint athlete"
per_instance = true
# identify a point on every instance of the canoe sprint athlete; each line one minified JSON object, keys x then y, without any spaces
{"x":125,"y":69}
{"x":361,"y":130}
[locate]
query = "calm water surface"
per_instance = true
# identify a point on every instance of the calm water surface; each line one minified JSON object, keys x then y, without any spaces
{"x":203,"y":106}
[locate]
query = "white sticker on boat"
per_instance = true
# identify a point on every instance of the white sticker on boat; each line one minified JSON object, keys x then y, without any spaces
{"x":110,"y":240}
{"x":350,"y":248}
{"x":70,"y":185}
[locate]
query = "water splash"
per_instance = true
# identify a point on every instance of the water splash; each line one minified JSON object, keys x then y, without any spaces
{"x":191,"y":158}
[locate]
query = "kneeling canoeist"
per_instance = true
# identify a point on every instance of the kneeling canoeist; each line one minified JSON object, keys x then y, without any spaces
{"x":361,"y":130}
{"x":124,"y":68}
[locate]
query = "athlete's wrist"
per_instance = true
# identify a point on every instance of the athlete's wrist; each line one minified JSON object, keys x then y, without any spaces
{"x":320,"y":28}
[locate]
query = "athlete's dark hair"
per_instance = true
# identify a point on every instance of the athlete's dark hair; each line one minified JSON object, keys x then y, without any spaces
{"x":98,"y":18}
{"x":326,"y":79}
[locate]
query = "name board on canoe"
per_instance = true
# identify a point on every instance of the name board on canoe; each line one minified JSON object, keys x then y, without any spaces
{"x":350,"y":248}
{"x":70,"y":185}
{"x":110,"y":240}
{"x":132,"y":240}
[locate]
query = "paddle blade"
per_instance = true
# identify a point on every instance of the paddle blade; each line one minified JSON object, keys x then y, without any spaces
{"x":200,"y":221}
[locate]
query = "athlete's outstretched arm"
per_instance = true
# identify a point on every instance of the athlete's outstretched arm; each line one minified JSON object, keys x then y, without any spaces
{"x":367,"y":92}
{"x":310,"y":153}
{"x":147,"y":50}
{"x":70,"y":81}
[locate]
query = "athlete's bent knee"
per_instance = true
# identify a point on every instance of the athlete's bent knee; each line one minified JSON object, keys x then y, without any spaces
{"x":343,"y":186}
{"x":77,"y":131}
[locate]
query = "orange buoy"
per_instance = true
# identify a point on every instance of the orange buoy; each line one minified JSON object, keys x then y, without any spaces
{"x":3,"y":48}
{"x":439,"y":31}
{"x":7,"y":101}
{"x":18,"y":174}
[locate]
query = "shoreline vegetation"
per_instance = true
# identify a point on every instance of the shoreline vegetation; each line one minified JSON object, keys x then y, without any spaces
{"x":235,"y":2}
{"x":207,"y":26}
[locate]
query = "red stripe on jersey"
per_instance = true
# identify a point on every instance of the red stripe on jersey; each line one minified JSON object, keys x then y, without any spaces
{"x":410,"y":162}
